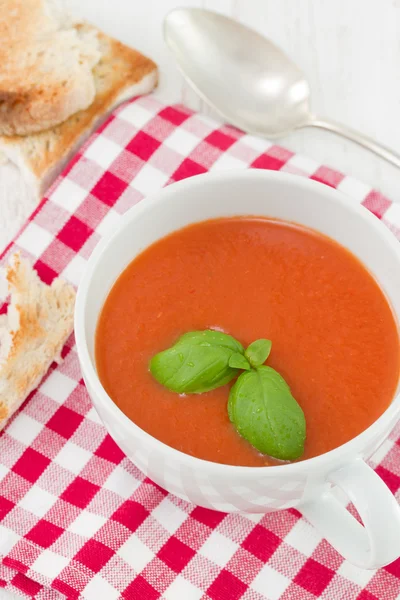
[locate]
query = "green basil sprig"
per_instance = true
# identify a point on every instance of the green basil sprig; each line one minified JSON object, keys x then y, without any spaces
{"x":198,"y":362}
{"x":264,"y":412}
{"x":258,"y":352}
{"x":239,"y":361}
{"x":260,"y":405}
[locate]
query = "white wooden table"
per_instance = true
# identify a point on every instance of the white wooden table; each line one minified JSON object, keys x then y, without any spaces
{"x":350,"y":51}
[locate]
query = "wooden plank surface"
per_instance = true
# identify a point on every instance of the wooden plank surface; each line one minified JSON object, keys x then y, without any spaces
{"x":350,"y":52}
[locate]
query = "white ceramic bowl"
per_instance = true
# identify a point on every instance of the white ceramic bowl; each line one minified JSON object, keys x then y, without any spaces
{"x":306,"y":485}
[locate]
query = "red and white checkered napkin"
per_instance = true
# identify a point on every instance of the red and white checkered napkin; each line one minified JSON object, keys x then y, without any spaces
{"x":78,"y":520}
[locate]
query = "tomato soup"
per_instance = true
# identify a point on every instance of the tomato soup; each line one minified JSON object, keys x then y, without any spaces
{"x":334,"y":336}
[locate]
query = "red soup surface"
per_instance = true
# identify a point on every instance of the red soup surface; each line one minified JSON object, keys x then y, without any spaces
{"x":334,"y":336}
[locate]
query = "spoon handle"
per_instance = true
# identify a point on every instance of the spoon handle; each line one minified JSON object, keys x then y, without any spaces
{"x":358,"y":138}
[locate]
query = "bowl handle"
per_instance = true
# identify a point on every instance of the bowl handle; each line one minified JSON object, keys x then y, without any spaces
{"x":378,"y":542}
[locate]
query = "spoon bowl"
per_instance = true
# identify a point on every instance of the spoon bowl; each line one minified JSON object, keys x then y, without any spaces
{"x":244,"y":76}
{"x":248,"y":80}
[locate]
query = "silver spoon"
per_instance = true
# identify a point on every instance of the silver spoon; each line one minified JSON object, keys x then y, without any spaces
{"x":247,"y":79}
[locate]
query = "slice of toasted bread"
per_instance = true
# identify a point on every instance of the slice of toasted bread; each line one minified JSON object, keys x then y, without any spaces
{"x":46,"y":66}
{"x":121,"y":73}
{"x":32,"y":333}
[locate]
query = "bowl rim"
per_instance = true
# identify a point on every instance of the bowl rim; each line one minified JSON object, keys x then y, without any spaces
{"x":340,"y":455}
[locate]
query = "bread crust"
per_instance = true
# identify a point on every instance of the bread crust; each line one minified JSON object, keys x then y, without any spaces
{"x":121,"y":72}
{"x":38,"y":322}
{"x":46,"y":66}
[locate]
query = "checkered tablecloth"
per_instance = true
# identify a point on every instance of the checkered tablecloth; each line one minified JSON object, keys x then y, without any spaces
{"x":77,"y":519}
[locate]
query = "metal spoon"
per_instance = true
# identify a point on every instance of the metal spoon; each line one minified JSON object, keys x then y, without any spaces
{"x":247,"y":79}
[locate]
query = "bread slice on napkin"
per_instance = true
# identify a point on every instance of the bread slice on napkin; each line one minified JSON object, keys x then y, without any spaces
{"x":110,"y":73}
{"x":38,"y":322}
{"x":46,"y":66}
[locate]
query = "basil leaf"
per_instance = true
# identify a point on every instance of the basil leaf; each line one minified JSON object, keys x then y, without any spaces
{"x":198,"y":362}
{"x":238,"y":361}
{"x":258,"y":352}
{"x":265,"y":413}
